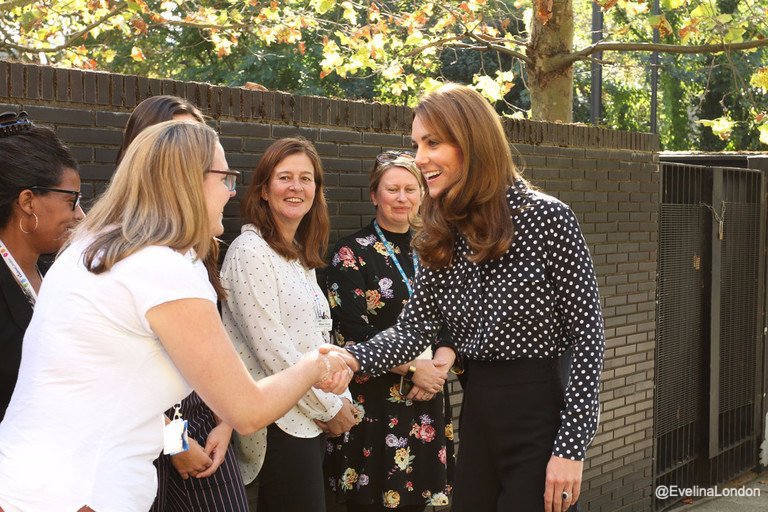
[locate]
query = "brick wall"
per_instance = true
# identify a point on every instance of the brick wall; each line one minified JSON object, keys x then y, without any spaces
{"x":609,"y":178}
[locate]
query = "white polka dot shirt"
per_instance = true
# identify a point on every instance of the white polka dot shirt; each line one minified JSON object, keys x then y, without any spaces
{"x":535,"y":301}
{"x":270,"y":315}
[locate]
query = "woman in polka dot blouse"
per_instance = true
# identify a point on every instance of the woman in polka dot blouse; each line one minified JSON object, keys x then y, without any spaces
{"x":507,"y":270}
{"x":275,"y":313}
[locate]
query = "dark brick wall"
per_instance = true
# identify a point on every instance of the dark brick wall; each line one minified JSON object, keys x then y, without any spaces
{"x":609,"y":178}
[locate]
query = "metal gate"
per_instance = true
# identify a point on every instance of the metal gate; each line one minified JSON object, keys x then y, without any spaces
{"x":709,"y":325}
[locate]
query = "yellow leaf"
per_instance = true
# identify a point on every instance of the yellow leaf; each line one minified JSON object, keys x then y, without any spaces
{"x":760,"y":79}
{"x":763,"y":129}
{"x":722,"y":126}
{"x":137,"y":54}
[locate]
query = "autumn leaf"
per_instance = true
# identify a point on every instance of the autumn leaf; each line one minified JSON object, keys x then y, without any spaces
{"x":606,"y":4}
{"x":760,"y":79}
{"x":659,"y":22}
{"x":722,"y":127}
{"x":686,"y":31}
{"x":137,"y":54}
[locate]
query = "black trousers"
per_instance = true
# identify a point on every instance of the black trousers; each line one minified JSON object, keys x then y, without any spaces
{"x":354,"y":507}
{"x":291,"y":479}
{"x":509,"y":421}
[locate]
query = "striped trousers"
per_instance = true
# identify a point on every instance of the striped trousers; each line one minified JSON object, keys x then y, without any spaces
{"x":221,"y":492}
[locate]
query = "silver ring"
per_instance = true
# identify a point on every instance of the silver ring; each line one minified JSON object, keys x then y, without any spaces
{"x":566,"y":496}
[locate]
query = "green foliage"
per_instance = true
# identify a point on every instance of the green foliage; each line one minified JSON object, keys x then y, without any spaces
{"x":393,"y":50}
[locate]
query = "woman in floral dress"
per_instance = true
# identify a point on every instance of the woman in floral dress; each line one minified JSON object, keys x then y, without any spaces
{"x":399,"y":454}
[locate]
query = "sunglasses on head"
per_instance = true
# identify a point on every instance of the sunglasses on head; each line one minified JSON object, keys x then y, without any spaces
{"x":12,"y":123}
{"x":389,"y":156}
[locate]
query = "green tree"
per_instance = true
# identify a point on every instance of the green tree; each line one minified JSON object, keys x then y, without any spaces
{"x":398,"y":47}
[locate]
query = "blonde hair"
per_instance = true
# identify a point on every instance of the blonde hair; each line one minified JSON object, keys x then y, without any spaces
{"x":476,"y":205}
{"x":405,"y":161}
{"x":155,"y":196}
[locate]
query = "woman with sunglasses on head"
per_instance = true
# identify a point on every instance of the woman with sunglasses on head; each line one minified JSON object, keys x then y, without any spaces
{"x":125,"y":326}
{"x":507,"y":270}
{"x":39,"y":206}
{"x":275,"y":312}
{"x":207,"y":474}
{"x":397,"y":456}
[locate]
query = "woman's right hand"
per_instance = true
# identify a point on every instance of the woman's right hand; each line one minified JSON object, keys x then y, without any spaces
{"x":334,"y":369}
{"x":429,"y":375}
{"x":192,"y":461}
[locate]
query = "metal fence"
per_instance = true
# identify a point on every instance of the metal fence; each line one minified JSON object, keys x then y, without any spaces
{"x":710,"y":325}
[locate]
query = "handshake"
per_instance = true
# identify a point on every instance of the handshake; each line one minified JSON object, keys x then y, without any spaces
{"x":335,"y":366}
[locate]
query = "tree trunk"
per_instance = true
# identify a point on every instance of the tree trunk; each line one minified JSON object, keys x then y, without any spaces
{"x":551,"y":84}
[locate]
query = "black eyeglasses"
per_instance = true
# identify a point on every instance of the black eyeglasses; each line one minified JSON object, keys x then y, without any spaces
{"x":12,"y":123}
{"x":75,"y":193}
{"x":231,"y":178}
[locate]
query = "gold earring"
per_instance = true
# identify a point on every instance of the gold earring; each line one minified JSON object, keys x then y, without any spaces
{"x":37,"y":222}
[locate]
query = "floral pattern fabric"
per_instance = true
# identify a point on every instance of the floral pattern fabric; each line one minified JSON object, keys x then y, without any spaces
{"x":401,"y":452}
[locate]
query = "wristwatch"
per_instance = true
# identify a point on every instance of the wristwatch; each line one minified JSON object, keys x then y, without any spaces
{"x":409,"y":374}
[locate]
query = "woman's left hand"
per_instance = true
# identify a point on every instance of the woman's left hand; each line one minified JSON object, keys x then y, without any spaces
{"x":419,"y":394}
{"x":216,"y":447}
{"x":563,"y":476}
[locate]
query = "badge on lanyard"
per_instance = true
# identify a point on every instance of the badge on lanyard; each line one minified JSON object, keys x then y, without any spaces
{"x":324,"y":325}
{"x":175,"y":436}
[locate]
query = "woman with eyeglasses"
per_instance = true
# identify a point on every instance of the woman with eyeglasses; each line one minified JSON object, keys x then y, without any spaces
{"x":275,"y":312}
{"x":39,"y":206}
{"x":205,"y":475}
{"x":125,"y":326}
{"x":507,"y":271}
{"x":398,"y":455}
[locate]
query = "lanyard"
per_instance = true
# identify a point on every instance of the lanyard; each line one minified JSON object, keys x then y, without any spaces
{"x":312,"y":290}
{"x":391,"y":252}
{"x":21,"y":278}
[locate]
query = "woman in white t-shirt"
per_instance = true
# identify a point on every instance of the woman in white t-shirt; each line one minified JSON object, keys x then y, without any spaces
{"x":124,"y":326}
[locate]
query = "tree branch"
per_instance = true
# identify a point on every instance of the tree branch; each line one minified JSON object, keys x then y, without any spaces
{"x":609,"y":46}
{"x":484,"y":45}
{"x":72,"y":38}
{"x":207,"y":26}
{"x":500,"y":48}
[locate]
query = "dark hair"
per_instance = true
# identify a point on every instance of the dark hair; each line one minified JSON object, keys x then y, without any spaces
{"x":153,"y":110}
{"x":311,"y":239}
{"x":158,"y":109}
{"x":33,"y":157}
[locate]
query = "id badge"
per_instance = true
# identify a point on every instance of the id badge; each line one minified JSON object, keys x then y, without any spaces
{"x":175,"y":439}
{"x":324,"y":325}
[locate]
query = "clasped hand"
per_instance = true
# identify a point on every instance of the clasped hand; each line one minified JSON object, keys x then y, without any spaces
{"x":344,"y":420}
{"x":430,"y":375}
{"x":337,"y":380}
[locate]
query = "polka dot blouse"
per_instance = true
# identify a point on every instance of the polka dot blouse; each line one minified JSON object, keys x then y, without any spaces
{"x":535,"y":301}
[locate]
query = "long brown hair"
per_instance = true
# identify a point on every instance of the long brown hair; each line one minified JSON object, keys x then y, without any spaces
{"x":311,"y":239}
{"x":154,"y":110}
{"x":476,"y":205}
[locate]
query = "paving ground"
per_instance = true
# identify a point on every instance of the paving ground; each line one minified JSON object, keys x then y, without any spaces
{"x":753,"y":483}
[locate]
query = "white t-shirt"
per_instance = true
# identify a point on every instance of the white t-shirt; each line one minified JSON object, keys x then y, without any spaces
{"x":86,"y":418}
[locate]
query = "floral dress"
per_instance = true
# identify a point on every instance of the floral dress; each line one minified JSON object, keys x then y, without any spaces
{"x":401,"y":452}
